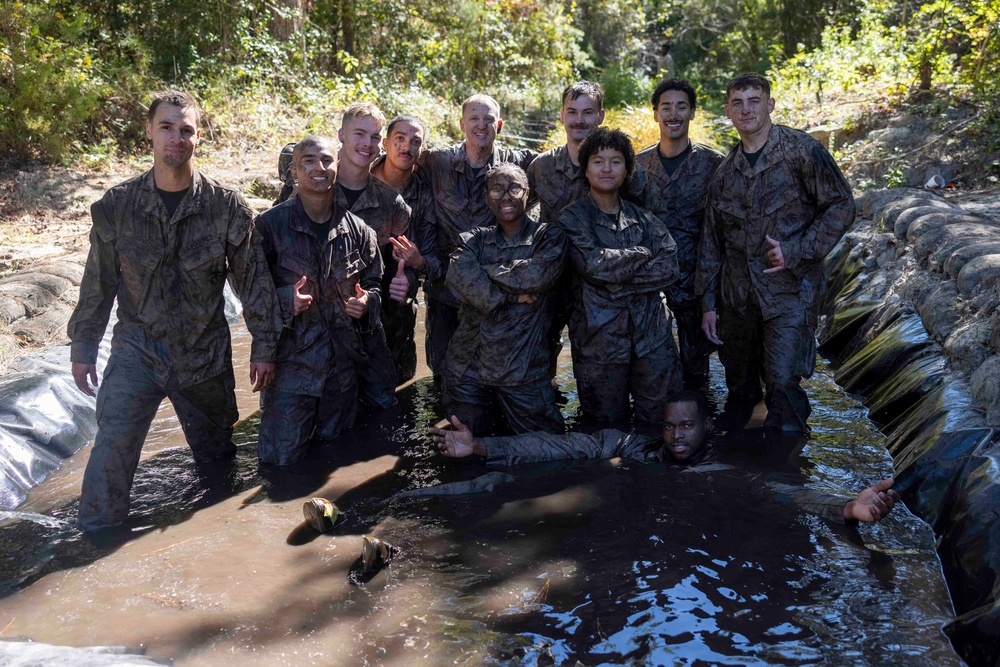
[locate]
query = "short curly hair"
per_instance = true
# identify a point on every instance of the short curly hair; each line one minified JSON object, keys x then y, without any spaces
{"x":617,"y":140}
{"x":682,"y":85}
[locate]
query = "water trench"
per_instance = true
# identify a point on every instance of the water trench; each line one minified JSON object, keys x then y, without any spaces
{"x":606,"y":562}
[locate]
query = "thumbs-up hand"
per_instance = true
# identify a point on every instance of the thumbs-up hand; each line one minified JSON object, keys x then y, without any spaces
{"x":301,"y":301}
{"x":399,"y":288}
{"x":775,"y":255}
{"x":357,"y":305}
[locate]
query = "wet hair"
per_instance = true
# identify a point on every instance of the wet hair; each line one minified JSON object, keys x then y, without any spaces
{"x":682,"y":85}
{"x":588,"y":88}
{"x":363,"y":110}
{"x":312,"y":140}
{"x":617,"y":140}
{"x":687,"y":396}
{"x":506,"y":169}
{"x":175,"y":98}
{"x":480,"y":98}
{"x":405,"y":118}
{"x":741,"y":82}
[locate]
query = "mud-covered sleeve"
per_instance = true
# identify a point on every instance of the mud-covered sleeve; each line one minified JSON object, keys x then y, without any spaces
{"x":662,"y":271}
{"x":636,"y":190}
{"x":251,"y":278}
{"x":824,"y":504}
{"x":98,"y":288}
{"x":423,"y":226}
{"x":598,"y":264}
{"x":825,"y":185}
{"x":468,"y":279}
{"x":707,"y":275}
{"x":285,"y":296}
{"x":538,"y":273}
{"x":371,"y":277}
{"x":538,"y":446}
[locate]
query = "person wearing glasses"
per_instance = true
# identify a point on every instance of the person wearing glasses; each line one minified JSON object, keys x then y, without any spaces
{"x":504,"y":275}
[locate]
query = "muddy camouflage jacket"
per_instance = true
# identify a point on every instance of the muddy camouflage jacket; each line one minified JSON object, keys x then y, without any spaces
{"x":797,"y":195}
{"x":423,"y":225}
{"x":620,"y":269}
{"x":460,"y":200}
{"x":557,"y":183}
{"x":487,"y":273}
{"x":168,"y":274}
{"x":612,"y":443}
{"x":323,"y":341}
{"x":679,"y":201}
{"x":382,"y":209}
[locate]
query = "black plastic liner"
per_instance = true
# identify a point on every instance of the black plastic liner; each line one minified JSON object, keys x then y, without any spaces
{"x":948,"y":474}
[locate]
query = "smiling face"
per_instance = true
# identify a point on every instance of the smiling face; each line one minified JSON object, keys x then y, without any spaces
{"x":673,"y":114}
{"x":684,"y":430}
{"x":580,"y":117}
{"x":315,"y":167}
{"x":361,"y":137}
{"x":480,"y":124}
{"x":174,"y":133}
{"x":606,"y":171}
{"x":507,"y":207}
{"x":750,"y":110}
{"x":402,"y":146}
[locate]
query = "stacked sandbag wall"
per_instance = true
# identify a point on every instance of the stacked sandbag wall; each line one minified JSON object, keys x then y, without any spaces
{"x":911,"y":319}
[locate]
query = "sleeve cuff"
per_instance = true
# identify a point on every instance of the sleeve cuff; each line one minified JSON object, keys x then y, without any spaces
{"x":83,"y":352}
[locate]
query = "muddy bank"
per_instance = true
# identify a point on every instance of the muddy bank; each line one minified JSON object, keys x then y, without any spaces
{"x":912,"y":318}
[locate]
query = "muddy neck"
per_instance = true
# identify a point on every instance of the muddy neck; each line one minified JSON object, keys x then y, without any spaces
{"x":173,"y":179}
{"x":670,"y":147}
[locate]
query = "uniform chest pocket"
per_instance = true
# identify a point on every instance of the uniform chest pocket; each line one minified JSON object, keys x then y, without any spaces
{"x":205,"y":253}
{"x":453,"y":201}
{"x":731,"y":208}
{"x":298,"y":266}
{"x":138,"y":252}
{"x":780,"y":198}
{"x":346,"y":269}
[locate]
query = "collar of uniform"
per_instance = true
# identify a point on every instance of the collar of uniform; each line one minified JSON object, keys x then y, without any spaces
{"x":625,"y":217}
{"x":562,"y":162}
{"x":770,"y":155}
{"x":654,"y":165}
{"x":410,"y":191}
{"x":460,"y":162}
{"x":300,"y":222}
{"x":190,"y":204}
{"x":523,"y":237}
{"x":367,"y":200}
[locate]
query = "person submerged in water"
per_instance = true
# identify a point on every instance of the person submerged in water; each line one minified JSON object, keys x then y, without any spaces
{"x":687,"y":424}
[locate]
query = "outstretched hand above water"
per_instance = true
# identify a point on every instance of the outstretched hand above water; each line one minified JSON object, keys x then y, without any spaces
{"x":874,"y":503}
{"x":457,"y":442}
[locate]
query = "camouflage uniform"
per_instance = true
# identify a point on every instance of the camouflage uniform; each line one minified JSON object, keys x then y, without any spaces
{"x":423,"y":232}
{"x":500,"y":349}
{"x":172,"y":338}
{"x":460,"y":206}
{"x":620,"y":325}
{"x":557,"y":183}
{"x":612,"y":443}
{"x":383,"y":210}
{"x":320,"y":353}
{"x":767,"y":321}
{"x":679,"y":201}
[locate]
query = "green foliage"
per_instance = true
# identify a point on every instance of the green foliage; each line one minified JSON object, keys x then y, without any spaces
{"x":49,"y":88}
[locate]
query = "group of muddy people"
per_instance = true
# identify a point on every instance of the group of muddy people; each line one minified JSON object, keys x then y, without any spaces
{"x":512,"y":247}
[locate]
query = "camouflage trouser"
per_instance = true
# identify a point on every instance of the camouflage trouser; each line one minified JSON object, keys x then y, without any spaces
{"x":781,"y":350}
{"x":377,"y":382}
{"x":527,"y":407}
{"x":288,"y":422}
{"x":440,"y":325}
{"x":604,"y":388}
{"x":127,"y":401}
{"x":694,"y":347}
{"x":400,"y":322}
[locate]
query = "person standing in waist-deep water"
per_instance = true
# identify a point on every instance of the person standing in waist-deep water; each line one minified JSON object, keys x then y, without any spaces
{"x":776,"y":206}
{"x":679,"y":171}
{"x":382,"y":209}
{"x":623,"y":258}
{"x":327,"y":269}
{"x":417,"y":249}
{"x":556,"y":179}
{"x":457,"y":177}
{"x":504,"y":275}
{"x":163,"y":243}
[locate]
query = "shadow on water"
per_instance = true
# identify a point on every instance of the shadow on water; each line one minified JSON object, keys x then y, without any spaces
{"x":605,"y":562}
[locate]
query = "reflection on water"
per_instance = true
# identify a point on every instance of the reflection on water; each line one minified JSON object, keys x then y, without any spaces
{"x":598,"y":562}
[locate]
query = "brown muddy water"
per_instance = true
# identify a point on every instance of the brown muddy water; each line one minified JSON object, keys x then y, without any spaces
{"x":606,"y":562}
